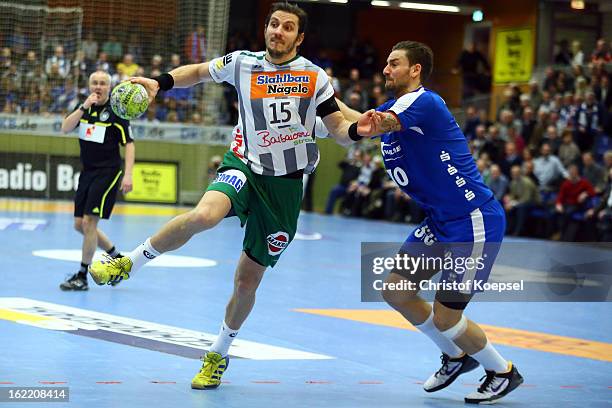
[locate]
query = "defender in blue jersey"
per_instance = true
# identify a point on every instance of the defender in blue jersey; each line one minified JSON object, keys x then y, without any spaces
{"x":427,"y":155}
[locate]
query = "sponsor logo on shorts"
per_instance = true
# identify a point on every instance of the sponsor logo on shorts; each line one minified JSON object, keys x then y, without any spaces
{"x":148,"y":254}
{"x":277,"y":242}
{"x":234,"y":178}
{"x":291,"y":83}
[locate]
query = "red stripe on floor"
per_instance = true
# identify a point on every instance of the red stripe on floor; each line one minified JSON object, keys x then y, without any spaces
{"x":108,"y":382}
{"x":265,"y":382}
{"x":317,"y":382}
{"x":163,"y":382}
{"x":53,"y":382}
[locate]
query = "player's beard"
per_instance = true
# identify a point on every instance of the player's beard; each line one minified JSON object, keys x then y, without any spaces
{"x":397,"y":89}
{"x":279,"y":54}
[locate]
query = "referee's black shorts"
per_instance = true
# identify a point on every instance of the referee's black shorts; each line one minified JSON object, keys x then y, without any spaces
{"x":97,"y":192}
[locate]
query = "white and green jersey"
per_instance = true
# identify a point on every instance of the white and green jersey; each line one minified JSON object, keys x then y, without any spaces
{"x":277,"y":110}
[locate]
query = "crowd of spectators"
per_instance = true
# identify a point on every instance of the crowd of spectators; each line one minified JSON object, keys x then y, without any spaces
{"x":54,"y":83}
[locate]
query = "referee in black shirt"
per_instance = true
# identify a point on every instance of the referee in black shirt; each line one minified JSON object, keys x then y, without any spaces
{"x":100,"y":134}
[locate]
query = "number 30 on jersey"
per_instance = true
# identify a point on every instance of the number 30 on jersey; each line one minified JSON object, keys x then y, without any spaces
{"x":398,"y":175}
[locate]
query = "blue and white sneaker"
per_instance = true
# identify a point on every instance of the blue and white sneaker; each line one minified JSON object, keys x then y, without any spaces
{"x":450,"y":370}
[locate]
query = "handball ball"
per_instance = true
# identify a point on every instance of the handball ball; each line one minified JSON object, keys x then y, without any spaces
{"x":129,"y":100}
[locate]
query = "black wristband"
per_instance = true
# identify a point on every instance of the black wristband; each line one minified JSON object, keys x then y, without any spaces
{"x":165,"y":81}
{"x":352,"y":132}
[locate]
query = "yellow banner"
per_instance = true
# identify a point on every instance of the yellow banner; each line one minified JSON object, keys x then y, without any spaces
{"x":154,"y":183}
{"x":513,"y":56}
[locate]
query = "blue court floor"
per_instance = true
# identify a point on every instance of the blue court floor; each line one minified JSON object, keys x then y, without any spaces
{"x":309,"y":342}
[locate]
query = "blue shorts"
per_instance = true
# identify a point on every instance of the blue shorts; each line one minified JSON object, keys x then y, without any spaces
{"x":477,"y":237}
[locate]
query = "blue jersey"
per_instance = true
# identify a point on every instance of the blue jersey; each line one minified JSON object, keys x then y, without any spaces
{"x":429,"y":158}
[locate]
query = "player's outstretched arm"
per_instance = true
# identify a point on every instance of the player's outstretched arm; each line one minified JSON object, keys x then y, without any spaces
{"x":345,"y":132}
{"x":181,"y":77}
{"x":350,"y":114}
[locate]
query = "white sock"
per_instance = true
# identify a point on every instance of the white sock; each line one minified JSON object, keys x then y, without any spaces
{"x":143,"y":254}
{"x":490,"y":359}
{"x":430,"y":330}
{"x":224,"y":340}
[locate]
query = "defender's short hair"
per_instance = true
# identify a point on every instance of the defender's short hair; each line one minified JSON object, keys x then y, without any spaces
{"x":417,"y":53}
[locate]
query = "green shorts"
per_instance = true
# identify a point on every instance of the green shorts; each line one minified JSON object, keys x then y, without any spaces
{"x":268,"y":205}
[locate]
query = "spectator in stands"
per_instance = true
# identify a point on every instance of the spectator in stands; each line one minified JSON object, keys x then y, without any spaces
{"x":103,"y":64}
{"x":507,"y":104}
{"x":113,"y":48}
{"x":483,"y":167}
{"x":5,"y":59}
{"x":175,"y":62}
{"x":578,"y":54}
{"x":27,"y":67}
{"x":471,"y":121}
{"x":350,"y":167}
{"x":573,"y":198}
{"x":593,"y":172}
{"x":18,"y":42}
{"x":474,"y":67}
{"x":195,"y":45}
{"x":522,"y":197}
{"x":127,"y":68}
{"x":603,"y":93}
{"x":569,"y":153}
{"x":498,"y":183}
{"x":32,"y":102}
{"x":528,"y":125}
{"x":550,"y":80}
{"x":607,"y":159}
{"x":494,"y":146}
{"x":535,"y":95}
{"x":359,"y":190}
{"x":548,"y":169}
{"x":156,"y":65}
{"x":507,"y":121}
{"x":552,"y":138}
{"x":479,"y":141}
{"x":60,"y":60}
{"x":589,"y":121}
{"x":512,"y":158}
{"x":90,"y":47}
{"x":355,"y":86}
{"x":517,"y":139}
{"x":564,"y":55}
{"x":601,"y":53}
{"x":483,"y":114}
{"x":567,"y":113}
{"x":602,"y":213}
{"x":81,"y":69}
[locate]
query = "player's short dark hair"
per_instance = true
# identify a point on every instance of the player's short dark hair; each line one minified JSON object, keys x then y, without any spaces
{"x":417,"y":53}
{"x":292,"y":9}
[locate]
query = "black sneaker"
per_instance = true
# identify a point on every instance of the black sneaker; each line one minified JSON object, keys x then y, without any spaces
{"x":75,"y":282}
{"x":450,"y":370}
{"x":495,"y":386}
